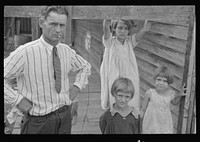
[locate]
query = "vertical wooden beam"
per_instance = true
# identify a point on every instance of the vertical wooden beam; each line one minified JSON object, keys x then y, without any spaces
{"x":68,"y":33}
{"x":186,"y":67}
{"x":13,"y":28}
{"x":34,"y":28}
{"x":192,"y":83}
{"x":17,"y":26}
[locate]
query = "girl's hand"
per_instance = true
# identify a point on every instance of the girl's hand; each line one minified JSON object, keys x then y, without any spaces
{"x":184,"y":90}
{"x":147,"y":26}
{"x":107,"y":22}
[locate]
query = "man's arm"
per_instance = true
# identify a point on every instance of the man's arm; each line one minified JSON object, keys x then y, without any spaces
{"x":13,"y":68}
{"x":84,"y":71}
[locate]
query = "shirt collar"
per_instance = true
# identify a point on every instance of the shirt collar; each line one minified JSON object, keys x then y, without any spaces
{"x":48,"y":46}
{"x":135,"y":112}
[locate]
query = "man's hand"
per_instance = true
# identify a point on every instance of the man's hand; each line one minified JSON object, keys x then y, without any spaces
{"x":74,"y":112}
{"x":24,"y":105}
{"x":73,"y":92}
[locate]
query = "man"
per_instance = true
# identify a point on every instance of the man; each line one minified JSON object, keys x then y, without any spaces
{"x":41,"y":68}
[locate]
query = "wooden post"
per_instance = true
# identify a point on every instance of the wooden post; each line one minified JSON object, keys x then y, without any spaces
{"x":34,"y":28}
{"x":17,"y":26}
{"x":186,"y":67}
{"x":68,"y":33}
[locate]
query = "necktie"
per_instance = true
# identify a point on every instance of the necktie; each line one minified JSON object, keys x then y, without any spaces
{"x":57,"y":70}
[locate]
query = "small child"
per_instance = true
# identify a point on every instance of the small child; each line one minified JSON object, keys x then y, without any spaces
{"x":119,"y":59}
{"x":121,"y":118}
{"x":155,"y":111}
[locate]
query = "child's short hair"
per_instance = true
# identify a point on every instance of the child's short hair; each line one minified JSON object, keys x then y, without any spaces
{"x":123,"y":85}
{"x":163,"y":71}
{"x":114,"y":23}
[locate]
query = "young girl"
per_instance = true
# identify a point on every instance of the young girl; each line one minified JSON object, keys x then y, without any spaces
{"x":119,"y":58}
{"x":121,"y":118}
{"x":156,"y":105}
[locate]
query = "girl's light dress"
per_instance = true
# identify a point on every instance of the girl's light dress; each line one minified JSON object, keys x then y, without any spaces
{"x":157,"y":118}
{"x":118,"y":60}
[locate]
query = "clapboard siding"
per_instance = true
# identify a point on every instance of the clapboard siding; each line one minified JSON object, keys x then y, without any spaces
{"x":165,"y":44}
{"x":94,"y":27}
{"x":176,"y":44}
{"x":169,"y":30}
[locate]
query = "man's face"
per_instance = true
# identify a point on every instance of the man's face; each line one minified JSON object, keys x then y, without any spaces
{"x":53,"y":27}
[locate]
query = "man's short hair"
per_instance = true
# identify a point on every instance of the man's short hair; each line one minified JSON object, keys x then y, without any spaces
{"x":57,"y":9}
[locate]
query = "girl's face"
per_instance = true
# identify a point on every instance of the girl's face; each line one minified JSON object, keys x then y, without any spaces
{"x":161,"y":83}
{"x":121,"y":30}
{"x":122,"y":99}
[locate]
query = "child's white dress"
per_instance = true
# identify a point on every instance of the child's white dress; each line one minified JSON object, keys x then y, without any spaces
{"x":118,"y":60}
{"x":157,"y":118}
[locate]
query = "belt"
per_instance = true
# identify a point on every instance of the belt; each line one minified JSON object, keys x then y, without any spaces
{"x":60,"y":110}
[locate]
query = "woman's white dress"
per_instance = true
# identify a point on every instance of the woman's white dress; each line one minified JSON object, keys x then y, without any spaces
{"x":118,"y":60}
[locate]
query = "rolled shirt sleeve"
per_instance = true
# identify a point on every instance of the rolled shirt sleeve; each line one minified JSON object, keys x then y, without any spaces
{"x":13,"y":68}
{"x":83,"y":67}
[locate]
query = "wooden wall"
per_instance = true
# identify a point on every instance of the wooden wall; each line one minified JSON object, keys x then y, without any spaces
{"x":165,"y":44}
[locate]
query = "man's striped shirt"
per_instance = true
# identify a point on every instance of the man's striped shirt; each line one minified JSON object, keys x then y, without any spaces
{"x":32,"y":65}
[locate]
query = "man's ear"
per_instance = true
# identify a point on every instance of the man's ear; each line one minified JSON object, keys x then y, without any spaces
{"x":41,"y":22}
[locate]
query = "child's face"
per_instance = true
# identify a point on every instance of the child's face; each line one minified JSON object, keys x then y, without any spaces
{"x":121,"y":30}
{"x":161,"y":83}
{"x":122,"y":99}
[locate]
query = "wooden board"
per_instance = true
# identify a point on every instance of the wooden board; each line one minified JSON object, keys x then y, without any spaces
{"x":168,"y":14}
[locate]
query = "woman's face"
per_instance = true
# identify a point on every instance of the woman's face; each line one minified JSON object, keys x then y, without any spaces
{"x":121,"y":30}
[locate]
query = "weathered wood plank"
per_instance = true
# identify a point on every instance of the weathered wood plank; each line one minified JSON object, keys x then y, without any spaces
{"x":35,"y":28}
{"x":69,"y":29}
{"x":88,"y":57}
{"x":170,"y":14}
{"x":96,"y":31}
{"x":186,"y":66}
{"x":80,"y":40}
{"x":169,"y":30}
{"x":175,"y":14}
{"x":96,"y":47}
{"x":175,"y":44}
{"x":155,"y":61}
{"x":162,"y":52}
{"x":96,"y":43}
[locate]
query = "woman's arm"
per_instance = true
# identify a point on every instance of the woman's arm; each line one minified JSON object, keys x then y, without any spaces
{"x":141,"y":33}
{"x":106,"y":28}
